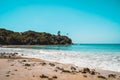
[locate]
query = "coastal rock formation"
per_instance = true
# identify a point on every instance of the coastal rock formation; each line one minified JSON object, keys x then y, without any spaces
{"x":8,"y":37}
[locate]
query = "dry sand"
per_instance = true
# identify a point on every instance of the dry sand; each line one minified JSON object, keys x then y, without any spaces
{"x":19,"y":68}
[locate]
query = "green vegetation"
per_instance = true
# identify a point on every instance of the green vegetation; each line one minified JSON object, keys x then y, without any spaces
{"x":8,"y":37}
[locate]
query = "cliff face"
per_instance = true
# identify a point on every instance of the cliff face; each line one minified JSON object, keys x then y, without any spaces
{"x":8,"y":37}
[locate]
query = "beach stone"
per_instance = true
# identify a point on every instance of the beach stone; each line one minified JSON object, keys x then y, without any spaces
{"x":73,"y":68}
{"x":55,"y":77}
{"x":27,"y":64}
{"x":55,"y":70}
{"x":33,"y":75}
{"x":51,"y":64}
{"x":84,"y":75}
{"x":7,"y":75}
{"x":112,"y":75}
{"x":43,"y":63}
{"x":86,"y":70}
{"x":8,"y":55}
{"x":100,"y":76}
{"x":24,"y":61}
{"x":59,"y":68}
{"x":15,"y":70}
{"x":92,"y":72}
{"x":66,"y":71}
{"x":43,"y":76}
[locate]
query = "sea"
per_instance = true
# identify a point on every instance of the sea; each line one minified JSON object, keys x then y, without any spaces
{"x":96,"y":56}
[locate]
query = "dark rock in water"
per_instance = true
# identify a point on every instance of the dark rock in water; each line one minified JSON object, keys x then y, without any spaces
{"x":112,"y":75}
{"x":43,"y":76}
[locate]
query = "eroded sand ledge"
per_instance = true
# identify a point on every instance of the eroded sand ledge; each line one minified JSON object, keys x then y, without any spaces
{"x":15,"y":67}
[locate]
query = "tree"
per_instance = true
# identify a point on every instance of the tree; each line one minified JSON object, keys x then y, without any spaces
{"x":59,"y":33}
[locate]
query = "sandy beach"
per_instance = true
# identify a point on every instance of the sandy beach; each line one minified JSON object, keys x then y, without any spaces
{"x":15,"y":67}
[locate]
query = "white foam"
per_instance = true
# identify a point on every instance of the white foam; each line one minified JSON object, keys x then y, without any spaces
{"x":101,"y":60}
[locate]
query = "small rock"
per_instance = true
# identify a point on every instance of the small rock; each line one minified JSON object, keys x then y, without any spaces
{"x":51,"y":64}
{"x":112,"y":75}
{"x":92,"y":72}
{"x":102,"y":77}
{"x":43,"y":63}
{"x":24,"y":61}
{"x":84,"y":75}
{"x":73,"y":68}
{"x":43,"y":76}
{"x":87,"y":70}
{"x":84,"y":72}
{"x":12,"y":65}
{"x":55,"y":70}
{"x":15,"y":70}
{"x":27,"y":64}
{"x":66,"y":71}
{"x":55,"y":77}
{"x":7,"y":75}
{"x":59,"y":68}
{"x":33,"y":75}
{"x":25,"y":67}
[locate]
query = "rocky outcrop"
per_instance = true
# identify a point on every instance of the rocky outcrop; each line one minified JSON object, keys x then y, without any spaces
{"x":8,"y":37}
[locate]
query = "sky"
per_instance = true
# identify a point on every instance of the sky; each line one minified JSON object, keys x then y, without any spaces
{"x":84,"y":21}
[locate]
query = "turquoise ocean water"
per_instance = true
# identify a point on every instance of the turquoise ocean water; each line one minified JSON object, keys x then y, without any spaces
{"x":82,"y":47}
{"x":103,"y":56}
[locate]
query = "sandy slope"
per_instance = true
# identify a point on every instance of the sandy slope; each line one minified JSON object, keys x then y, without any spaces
{"x":19,"y":68}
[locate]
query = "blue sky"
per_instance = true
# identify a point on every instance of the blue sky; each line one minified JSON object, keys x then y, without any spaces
{"x":85,"y":21}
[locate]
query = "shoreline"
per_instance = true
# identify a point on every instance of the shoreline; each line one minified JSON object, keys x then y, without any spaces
{"x":15,"y":67}
{"x":63,"y":56}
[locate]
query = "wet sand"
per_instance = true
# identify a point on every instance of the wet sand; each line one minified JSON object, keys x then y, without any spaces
{"x":15,"y":67}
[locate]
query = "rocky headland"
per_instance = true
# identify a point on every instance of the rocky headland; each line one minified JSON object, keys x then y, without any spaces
{"x":8,"y":37}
